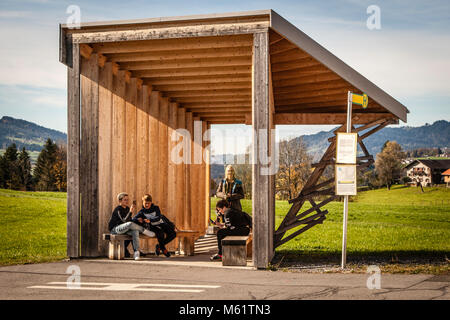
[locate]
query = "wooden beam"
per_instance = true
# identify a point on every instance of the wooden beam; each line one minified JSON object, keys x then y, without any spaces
{"x":291,"y":54}
{"x":313,"y":93}
{"x":192,"y":31}
{"x":218,"y":100}
{"x":207,"y":86}
{"x":186,"y":63}
{"x":105,"y":127}
{"x":182,"y":54}
{"x":327,"y":118}
{"x":173,"y":44}
{"x":199,"y":80}
{"x":89,"y":157}
{"x":209,"y":93}
{"x":262,"y":235}
{"x":73,"y":153}
{"x":281,"y":46}
{"x":186,"y":72}
{"x":153,"y":148}
{"x":294,"y":64}
{"x":293,"y":83}
{"x":181,"y":175}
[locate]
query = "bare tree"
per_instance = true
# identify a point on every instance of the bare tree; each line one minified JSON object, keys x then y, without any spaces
{"x":295,"y":168}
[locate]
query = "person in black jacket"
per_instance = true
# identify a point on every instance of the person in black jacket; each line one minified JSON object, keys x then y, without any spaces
{"x":231,"y":189}
{"x":236,"y":223}
{"x":150,"y":218}
{"x":121,"y":223}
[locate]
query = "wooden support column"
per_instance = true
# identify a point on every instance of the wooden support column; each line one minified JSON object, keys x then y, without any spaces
{"x":131,"y":145}
{"x":119,"y":136}
{"x":181,"y":175}
{"x":89,"y":157}
{"x":73,"y":154}
{"x":188,"y":168}
{"x":206,"y":175}
{"x":163,"y":155}
{"x":172,"y":182}
{"x":153,"y":148}
{"x":142,"y":143}
{"x":262,"y":208}
{"x":105,"y":127}
{"x":196,"y":175}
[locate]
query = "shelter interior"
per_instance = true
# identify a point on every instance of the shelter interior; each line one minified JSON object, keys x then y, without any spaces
{"x":131,"y":84}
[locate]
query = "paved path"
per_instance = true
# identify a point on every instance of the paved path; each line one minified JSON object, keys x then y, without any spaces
{"x":105,"y":279}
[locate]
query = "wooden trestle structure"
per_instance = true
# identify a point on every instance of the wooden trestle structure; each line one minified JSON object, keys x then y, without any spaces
{"x":132,"y":83}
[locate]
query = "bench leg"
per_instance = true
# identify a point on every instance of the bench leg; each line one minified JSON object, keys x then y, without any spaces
{"x":187,"y":246}
{"x":112,"y":250}
{"x":121,"y":250}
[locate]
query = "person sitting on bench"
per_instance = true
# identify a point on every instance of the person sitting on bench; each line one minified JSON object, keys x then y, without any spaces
{"x":150,"y":218}
{"x":121,"y":223}
{"x":237,"y":223}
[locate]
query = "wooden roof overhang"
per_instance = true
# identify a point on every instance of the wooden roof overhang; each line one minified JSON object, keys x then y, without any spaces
{"x":204,"y":63}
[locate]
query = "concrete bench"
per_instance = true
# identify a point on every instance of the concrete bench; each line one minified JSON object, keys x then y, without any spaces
{"x":185,"y":239}
{"x":236,"y":249}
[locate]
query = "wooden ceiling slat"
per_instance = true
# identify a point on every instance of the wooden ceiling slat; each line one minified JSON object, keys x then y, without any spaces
{"x":226,"y":52}
{"x":216,"y":92}
{"x":244,"y":99}
{"x":173,"y":44}
{"x":281,"y":46}
{"x":244,"y":70}
{"x":199,"y":80}
{"x":343,"y":89}
{"x":295,"y":64}
{"x":207,"y":86}
{"x":291,"y":54}
{"x":289,"y":85}
{"x":188,"y":63}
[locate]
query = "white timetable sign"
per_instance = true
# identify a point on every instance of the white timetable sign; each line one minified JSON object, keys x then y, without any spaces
{"x":346,"y":148}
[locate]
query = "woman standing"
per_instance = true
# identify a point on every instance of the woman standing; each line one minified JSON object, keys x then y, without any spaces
{"x":230,"y":189}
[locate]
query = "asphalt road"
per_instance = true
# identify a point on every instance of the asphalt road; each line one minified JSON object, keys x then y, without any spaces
{"x":104,"y":279}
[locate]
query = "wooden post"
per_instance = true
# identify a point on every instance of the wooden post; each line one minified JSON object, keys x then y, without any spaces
{"x":181,"y":176}
{"x":261,"y":190}
{"x":153,"y":148}
{"x":73,"y":154}
{"x":89,"y":157}
{"x":130,"y":154}
{"x":188,"y":168}
{"x":207,"y":174}
{"x":163,"y":155}
{"x":106,"y":201}
{"x":172,"y":182}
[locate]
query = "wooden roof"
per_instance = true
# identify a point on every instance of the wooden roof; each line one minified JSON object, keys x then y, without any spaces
{"x":204,"y":63}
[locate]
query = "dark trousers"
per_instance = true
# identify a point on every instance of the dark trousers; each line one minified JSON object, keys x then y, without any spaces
{"x":222,"y":233}
{"x":164,"y":234}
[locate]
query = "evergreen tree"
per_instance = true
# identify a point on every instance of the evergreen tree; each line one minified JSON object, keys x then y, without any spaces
{"x":9,"y":169}
{"x":24,"y":167}
{"x":43,"y":174}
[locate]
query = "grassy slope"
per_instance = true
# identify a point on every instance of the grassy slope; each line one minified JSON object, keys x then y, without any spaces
{"x":401,"y":223}
{"x":33,"y":226}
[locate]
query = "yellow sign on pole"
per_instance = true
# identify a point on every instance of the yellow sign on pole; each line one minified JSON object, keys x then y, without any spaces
{"x":360,"y":99}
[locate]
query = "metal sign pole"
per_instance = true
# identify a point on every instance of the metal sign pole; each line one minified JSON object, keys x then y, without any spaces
{"x":344,"y":237}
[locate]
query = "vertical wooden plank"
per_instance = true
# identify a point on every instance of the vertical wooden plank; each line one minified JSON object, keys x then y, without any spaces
{"x":73,"y":154}
{"x":142,"y":143}
{"x":119,"y":136}
{"x":181,"y":176}
{"x":153,"y":152}
{"x":172,"y":182}
{"x":188,"y":170}
{"x":130,"y":154}
{"x":196,"y":204}
{"x":89,"y":157}
{"x":105,"y":153}
{"x":261,"y":129}
{"x":204,"y":191}
{"x":163,"y":154}
{"x":207,"y":160}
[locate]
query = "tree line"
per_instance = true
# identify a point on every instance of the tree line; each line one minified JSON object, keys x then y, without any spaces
{"x":49,"y":173}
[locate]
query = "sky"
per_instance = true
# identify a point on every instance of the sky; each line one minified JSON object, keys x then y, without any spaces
{"x":408,"y":56}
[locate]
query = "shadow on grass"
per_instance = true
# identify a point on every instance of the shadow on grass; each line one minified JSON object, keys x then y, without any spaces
{"x":288,"y":258}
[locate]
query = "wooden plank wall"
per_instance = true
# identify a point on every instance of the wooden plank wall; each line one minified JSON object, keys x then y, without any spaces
{"x":126,"y":142}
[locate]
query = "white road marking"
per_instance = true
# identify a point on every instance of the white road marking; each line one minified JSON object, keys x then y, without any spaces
{"x":101,"y":286}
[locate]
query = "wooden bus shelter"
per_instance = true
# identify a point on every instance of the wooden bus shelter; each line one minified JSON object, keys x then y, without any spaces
{"x":132,"y":83}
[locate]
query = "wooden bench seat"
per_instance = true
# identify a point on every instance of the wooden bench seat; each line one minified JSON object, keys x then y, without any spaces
{"x":236,"y":249}
{"x":185,"y":243}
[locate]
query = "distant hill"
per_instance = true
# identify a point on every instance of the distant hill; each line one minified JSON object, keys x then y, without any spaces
{"x":436,"y":135}
{"x":26,"y":134}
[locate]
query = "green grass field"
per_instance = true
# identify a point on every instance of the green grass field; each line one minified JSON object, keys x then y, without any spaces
{"x":400,"y":226}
